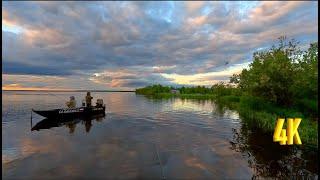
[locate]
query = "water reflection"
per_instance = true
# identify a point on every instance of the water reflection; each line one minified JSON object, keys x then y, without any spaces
{"x":72,"y":127}
{"x":266,"y":158}
{"x":269,"y":159}
{"x":69,"y":123}
{"x":193,"y":139}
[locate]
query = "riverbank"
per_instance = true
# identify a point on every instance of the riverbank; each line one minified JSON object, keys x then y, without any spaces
{"x":258,"y":114}
{"x":281,"y":82}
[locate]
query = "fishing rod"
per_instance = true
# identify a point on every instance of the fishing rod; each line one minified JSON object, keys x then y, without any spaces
{"x":31,"y":120}
{"x":156,"y":147}
{"x":47,"y":92}
{"x":54,"y":95}
{"x":158,"y":155}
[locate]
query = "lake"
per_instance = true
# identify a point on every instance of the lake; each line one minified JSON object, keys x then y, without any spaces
{"x":140,"y":138}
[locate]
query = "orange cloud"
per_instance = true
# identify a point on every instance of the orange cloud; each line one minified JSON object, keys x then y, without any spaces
{"x":48,"y":37}
{"x":271,"y":10}
{"x":9,"y":23}
{"x":198,"y":21}
{"x":193,"y":6}
{"x":15,"y":87}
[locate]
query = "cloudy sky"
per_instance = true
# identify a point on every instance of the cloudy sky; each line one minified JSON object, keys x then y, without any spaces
{"x":125,"y":45}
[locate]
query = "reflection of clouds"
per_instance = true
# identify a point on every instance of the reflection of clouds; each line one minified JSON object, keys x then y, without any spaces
{"x":29,"y":145}
{"x":195,"y":163}
{"x":40,"y":150}
{"x":9,"y":155}
{"x":206,"y":107}
{"x":106,"y":150}
{"x":221,"y":149}
{"x":70,"y":170}
{"x":192,"y":141}
{"x":188,"y":105}
{"x":234,"y":115}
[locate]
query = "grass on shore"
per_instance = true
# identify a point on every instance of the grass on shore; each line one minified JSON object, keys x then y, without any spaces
{"x":259,"y":114}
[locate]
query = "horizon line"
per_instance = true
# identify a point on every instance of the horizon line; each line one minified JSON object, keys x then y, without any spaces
{"x":79,"y":90}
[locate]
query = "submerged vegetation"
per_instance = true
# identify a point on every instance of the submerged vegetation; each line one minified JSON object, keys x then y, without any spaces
{"x":280,"y":82}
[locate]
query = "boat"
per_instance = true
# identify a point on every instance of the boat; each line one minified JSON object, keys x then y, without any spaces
{"x":67,"y":113}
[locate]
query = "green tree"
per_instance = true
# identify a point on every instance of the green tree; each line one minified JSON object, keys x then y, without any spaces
{"x":271,"y":74}
{"x":283,"y":74}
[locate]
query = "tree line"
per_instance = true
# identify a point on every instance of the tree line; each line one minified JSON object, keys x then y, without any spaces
{"x":283,"y":75}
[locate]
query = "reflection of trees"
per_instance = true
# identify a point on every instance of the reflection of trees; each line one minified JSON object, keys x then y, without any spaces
{"x":269,"y":159}
{"x":218,"y":108}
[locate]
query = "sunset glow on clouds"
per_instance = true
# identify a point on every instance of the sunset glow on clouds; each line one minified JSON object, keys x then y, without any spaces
{"x":125,"y":45}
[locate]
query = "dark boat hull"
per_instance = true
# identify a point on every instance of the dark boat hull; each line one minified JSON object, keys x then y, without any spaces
{"x":71,"y":112}
{"x":50,"y":123}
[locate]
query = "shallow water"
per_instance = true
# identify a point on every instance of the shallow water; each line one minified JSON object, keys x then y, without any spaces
{"x":138,"y":138}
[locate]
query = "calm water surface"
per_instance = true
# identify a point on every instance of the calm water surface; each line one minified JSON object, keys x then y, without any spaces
{"x":139,"y":138}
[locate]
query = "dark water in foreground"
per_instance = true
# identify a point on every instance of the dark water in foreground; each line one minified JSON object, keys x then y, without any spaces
{"x":140,"y":138}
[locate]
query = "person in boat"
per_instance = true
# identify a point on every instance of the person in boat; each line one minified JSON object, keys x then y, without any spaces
{"x":83,"y":103}
{"x":88,"y":99}
{"x":99,"y":103}
{"x":72,"y":103}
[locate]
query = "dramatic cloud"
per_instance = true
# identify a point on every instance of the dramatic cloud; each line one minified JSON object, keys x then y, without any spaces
{"x":124,"y":45}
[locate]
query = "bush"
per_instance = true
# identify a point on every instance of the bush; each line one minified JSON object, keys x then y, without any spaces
{"x":307,"y":106}
{"x":254,"y":103}
{"x":231,"y":98}
{"x":282,"y":75}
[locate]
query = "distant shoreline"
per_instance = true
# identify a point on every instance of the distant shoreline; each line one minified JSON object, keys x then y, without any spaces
{"x":72,"y":90}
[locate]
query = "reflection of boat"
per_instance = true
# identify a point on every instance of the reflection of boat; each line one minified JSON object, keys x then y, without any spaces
{"x":49,"y":123}
{"x":68,"y":113}
{"x":70,"y":123}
